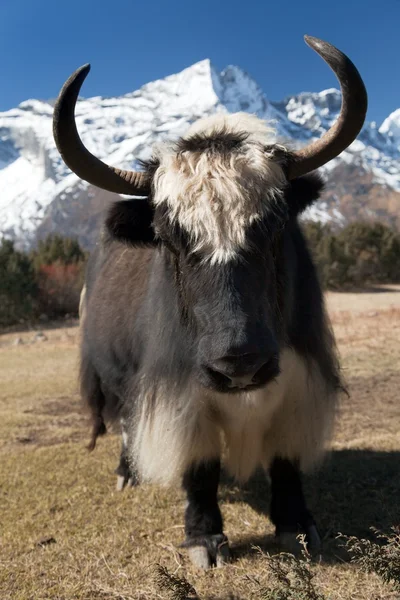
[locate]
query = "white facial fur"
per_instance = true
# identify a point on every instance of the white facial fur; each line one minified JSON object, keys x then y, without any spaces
{"x":215,"y":197}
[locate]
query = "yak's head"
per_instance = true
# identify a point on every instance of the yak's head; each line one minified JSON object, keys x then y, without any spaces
{"x":217,"y":204}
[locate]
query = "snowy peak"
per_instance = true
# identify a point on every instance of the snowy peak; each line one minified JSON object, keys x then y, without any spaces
{"x":193,"y":87}
{"x":202,"y":88}
{"x":391,"y":129}
{"x":314,"y":112}
{"x":38,"y":107}
{"x":240,"y":93}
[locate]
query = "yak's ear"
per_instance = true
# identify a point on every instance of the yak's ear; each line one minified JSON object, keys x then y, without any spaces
{"x":302,"y":192}
{"x":130,"y":221}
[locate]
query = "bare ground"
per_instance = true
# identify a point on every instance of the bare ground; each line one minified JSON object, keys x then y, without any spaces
{"x":66,"y":534}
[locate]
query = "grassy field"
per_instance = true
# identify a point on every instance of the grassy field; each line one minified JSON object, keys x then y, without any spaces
{"x":67,"y":534}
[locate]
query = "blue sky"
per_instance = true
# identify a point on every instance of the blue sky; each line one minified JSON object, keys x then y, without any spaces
{"x":130,"y":43}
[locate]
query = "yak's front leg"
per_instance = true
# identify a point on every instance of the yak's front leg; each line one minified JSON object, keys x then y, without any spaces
{"x":206,"y":543}
{"x":289,"y":512}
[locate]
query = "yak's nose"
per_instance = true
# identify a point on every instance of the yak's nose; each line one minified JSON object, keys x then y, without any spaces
{"x":244,"y":370}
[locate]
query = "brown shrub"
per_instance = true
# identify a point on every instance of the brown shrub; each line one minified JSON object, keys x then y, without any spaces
{"x":59,"y":288}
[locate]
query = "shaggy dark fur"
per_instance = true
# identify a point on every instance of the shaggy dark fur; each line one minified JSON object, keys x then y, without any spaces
{"x":146,"y":280}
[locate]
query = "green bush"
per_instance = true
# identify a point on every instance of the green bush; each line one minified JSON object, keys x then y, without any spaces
{"x":359,"y":254}
{"x":57,"y":249}
{"x":46,"y":281}
{"x":18,"y":287}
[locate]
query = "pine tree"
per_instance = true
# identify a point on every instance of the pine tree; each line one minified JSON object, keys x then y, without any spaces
{"x":17,"y":285}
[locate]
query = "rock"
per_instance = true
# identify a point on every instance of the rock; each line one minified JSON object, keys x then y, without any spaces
{"x":39,"y":337}
{"x":18,"y":341}
{"x":45,"y":542}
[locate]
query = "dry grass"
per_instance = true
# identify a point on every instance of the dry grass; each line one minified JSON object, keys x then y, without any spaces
{"x":66,"y":534}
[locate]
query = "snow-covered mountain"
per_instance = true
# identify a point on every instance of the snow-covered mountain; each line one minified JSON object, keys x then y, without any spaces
{"x":39,"y":194}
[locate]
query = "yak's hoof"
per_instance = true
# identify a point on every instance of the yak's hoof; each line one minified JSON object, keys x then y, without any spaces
{"x":126,"y":481}
{"x":123,"y":482}
{"x":290,"y":542}
{"x":208,"y":551}
{"x":126,"y":475}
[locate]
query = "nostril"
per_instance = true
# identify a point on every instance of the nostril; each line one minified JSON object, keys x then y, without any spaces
{"x":269,"y":370}
{"x":246,"y":370}
{"x":231,"y":381}
{"x":220,"y":377}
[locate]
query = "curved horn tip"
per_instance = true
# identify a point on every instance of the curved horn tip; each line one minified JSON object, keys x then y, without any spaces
{"x":78,"y":76}
{"x":314,"y":41}
{"x":84,"y":68}
{"x":309,"y":37}
{"x":81,"y":72}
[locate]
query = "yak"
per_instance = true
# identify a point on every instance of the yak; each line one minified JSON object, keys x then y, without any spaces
{"x":204,"y":330}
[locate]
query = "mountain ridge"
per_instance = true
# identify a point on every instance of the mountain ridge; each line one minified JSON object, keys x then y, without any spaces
{"x":40,"y":194}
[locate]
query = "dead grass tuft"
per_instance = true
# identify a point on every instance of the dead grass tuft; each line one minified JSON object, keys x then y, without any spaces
{"x":286,"y":577}
{"x":178,"y":588}
{"x":381,"y":557}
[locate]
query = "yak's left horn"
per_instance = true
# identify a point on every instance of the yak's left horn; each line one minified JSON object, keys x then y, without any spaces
{"x":351,"y":118}
{"x":78,"y":158}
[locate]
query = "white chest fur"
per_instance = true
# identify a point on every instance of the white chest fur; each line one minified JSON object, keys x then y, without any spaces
{"x":246,"y":419}
{"x":291,"y":417}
